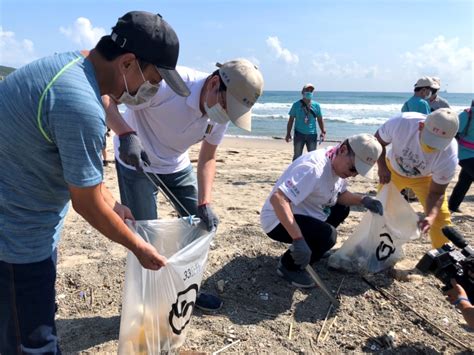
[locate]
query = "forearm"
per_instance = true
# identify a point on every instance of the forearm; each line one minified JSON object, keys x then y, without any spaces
{"x":114,"y":119}
{"x":205,"y":176}
{"x":321,"y":124}
{"x":289,"y":126}
{"x":107,"y":195}
{"x":348,"y":198}
{"x":434,"y":201}
{"x":467,"y":310}
{"x":283,"y":211}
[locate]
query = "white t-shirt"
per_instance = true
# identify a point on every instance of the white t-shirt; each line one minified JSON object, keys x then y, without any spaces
{"x":405,"y":154}
{"x":310,"y":184}
{"x":168,"y":125}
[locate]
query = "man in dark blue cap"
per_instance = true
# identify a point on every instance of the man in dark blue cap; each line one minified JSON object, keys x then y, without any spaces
{"x":53,"y":129}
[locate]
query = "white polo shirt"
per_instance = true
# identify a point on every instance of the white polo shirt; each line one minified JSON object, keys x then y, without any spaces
{"x":405,"y":153}
{"x":310,"y":184}
{"x":168,"y":125}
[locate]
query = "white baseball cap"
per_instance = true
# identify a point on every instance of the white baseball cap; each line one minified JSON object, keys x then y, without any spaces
{"x":244,"y":83}
{"x":367,"y":150}
{"x":440,"y":128}
{"x":307,"y":86}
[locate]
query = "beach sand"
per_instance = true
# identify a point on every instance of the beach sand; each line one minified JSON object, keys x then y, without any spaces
{"x":91,"y":277}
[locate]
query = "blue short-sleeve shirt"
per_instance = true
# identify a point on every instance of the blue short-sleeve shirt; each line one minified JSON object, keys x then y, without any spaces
{"x":45,"y":149}
{"x":303,"y":125}
{"x":464,"y":152}
{"x":416,"y":104}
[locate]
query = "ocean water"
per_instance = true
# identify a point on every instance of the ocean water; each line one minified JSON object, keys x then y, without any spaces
{"x":344,"y":113}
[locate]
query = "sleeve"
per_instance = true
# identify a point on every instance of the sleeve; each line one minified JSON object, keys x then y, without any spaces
{"x":293,"y":109}
{"x":405,"y":107}
{"x":299,"y":182}
{"x":463,"y":116}
{"x":217,"y":134}
{"x":388,"y":130}
{"x":78,"y":130}
{"x":317,"y":109}
{"x":445,"y":168}
{"x":427,"y":108}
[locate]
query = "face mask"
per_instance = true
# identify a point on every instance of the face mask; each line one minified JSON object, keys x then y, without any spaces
{"x":308,"y":95}
{"x":144,"y":93}
{"x":426,"y":148}
{"x":428,"y":96}
{"x":216,"y":113}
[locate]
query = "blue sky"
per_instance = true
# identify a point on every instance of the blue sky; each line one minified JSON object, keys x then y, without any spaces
{"x":339,"y":45}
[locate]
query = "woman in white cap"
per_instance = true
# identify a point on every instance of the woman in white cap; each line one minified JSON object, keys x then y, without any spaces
{"x":311,"y":199}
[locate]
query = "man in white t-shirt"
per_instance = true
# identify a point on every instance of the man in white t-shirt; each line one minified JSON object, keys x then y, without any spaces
{"x":311,"y":199}
{"x":423,"y":157}
{"x":161,"y":131}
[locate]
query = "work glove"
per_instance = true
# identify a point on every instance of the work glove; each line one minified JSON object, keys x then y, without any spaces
{"x":300,"y":252}
{"x":208,"y":218}
{"x":373,"y":205}
{"x":131,"y":151}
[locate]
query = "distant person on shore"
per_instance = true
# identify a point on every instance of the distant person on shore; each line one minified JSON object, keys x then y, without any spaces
{"x":53,"y":129}
{"x":423,"y":157}
{"x":304,"y":114}
{"x":161,"y":132}
{"x":419,"y":101}
{"x":311,"y":199}
{"x":436,"y":102}
{"x":465,"y":139}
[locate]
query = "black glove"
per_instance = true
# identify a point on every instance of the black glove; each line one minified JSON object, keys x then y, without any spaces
{"x":208,"y":219}
{"x":373,"y":205}
{"x":300,"y":252}
{"x":131,"y":151}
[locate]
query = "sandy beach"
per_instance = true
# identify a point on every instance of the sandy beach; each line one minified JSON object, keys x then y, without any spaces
{"x":91,"y":277}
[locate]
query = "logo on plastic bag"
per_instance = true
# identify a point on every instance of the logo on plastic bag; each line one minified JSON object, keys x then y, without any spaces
{"x":181,"y":311}
{"x":385,"y":248}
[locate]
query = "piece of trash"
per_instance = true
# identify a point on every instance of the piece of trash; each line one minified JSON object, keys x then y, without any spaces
{"x":220,"y":285}
{"x":263,"y":296}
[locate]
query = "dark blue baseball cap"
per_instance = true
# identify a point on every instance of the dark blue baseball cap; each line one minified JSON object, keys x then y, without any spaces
{"x":153,"y":40}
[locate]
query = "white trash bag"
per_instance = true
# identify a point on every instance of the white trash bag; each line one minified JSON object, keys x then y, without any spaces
{"x":377,"y":241}
{"x":157,"y":305}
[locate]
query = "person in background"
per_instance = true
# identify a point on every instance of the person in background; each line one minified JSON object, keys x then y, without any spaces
{"x":304,"y":114}
{"x":465,"y":139}
{"x":53,"y":129}
{"x":311,"y":199}
{"x":436,"y":102}
{"x":162,"y":131}
{"x":423,"y":157}
{"x":422,"y":92}
{"x":457,"y":296}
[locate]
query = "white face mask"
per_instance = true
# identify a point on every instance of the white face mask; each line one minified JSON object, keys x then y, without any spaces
{"x":428,"y":96}
{"x":144,"y":93}
{"x":216,"y":113}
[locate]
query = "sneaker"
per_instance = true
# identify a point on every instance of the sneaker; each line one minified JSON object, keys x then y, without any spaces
{"x":297,"y":278}
{"x":208,"y":303}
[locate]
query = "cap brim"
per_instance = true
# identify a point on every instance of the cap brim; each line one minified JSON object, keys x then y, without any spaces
{"x":174,"y":81}
{"x":434,"y":141}
{"x":363,"y":168}
{"x":239,"y":114}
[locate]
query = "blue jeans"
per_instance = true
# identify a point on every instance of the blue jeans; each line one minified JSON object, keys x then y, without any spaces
{"x":27,"y":308}
{"x":300,"y":140}
{"x":138,"y":193}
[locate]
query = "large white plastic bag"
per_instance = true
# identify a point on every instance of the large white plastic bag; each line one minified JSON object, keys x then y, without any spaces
{"x":377,"y":241}
{"x":157,"y":305}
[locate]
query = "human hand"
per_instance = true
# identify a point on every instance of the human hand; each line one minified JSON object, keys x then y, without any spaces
{"x":131,"y":151}
{"x":301,"y":252}
{"x":372,"y":204}
{"x":123,"y":212}
{"x":207,"y":216}
{"x":148,"y":257}
{"x":424,"y":224}
{"x":384,"y":174}
{"x":322,"y":137}
{"x":453,"y":294}
{"x":288,"y":138}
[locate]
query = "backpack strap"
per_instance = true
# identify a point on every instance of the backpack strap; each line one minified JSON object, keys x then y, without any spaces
{"x":307,"y":109}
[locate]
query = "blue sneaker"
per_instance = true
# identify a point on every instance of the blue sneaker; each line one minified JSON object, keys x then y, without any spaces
{"x":298,"y":278}
{"x":207,"y":302}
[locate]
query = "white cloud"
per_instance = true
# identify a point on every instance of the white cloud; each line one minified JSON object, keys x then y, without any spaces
{"x":280,"y":52}
{"x":83,"y":33}
{"x":444,"y":58}
{"x":15,"y":52}
{"x":326,"y":65}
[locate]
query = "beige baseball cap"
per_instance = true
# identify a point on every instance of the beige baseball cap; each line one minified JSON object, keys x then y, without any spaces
{"x":367,"y":150}
{"x":436,"y":82}
{"x":309,"y":85}
{"x":244,"y":84}
{"x":440,"y":128}
{"x":424,"y":82}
